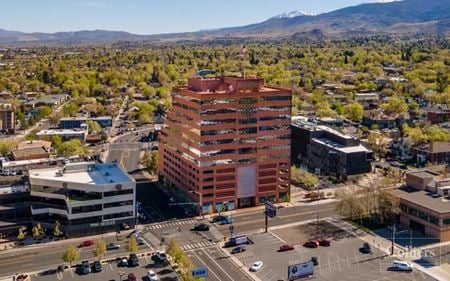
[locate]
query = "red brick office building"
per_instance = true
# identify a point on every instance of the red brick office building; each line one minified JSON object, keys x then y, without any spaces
{"x":226,"y":141}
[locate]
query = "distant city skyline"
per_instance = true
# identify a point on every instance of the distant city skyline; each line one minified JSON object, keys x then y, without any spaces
{"x":151,"y":17}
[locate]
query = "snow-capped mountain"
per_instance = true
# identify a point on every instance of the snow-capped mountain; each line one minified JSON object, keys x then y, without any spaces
{"x":292,"y":14}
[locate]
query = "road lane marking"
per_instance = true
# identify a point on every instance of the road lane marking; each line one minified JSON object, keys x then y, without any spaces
{"x":209,"y":269}
{"x":212,"y":259}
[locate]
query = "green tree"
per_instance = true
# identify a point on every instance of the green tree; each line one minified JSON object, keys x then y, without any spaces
{"x":21,"y":233}
{"x":100,"y":248}
{"x":70,"y":109}
{"x":37,"y":231}
{"x":93,"y":127}
{"x":132,"y":245}
{"x":71,"y":255}
{"x":303,"y":178}
{"x":57,"y":232}
{"x":395,"y":105}
{"x":6,"y":145}
{"x":354,"y":111}
{"x":152,"y":165}
{"x":72,"y":147}
{"x":378,"y":143}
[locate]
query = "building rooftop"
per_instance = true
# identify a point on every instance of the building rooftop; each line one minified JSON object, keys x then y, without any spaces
{"x":61,"y":131}
{"x":435,"y":147}
{"x":426,"y":199}
{"x":424,"y":174}
{"x":83,"y":118}
{"x":84,"y":173}
{"x":339,"y":147}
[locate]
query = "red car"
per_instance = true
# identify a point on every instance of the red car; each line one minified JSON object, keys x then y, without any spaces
{"x":311,"y":244}
{"x":325,"y":243}
{"x":87,"y":243}
{"x":285,"y":247}
{"x":132,"y":277}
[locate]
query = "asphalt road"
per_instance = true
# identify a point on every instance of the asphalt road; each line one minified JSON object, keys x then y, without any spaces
{"x":40,"y":257}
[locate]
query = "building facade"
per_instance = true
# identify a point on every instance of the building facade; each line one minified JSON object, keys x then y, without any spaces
{"x":226,"y":143}
{"x":77,"y":122}
{"x":7,"y":118}
{"x":425,"y":203}
{"x":324,"y":150}
{"x":86,"y":198}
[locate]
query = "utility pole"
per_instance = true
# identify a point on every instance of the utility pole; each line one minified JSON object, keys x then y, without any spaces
{"x":410,"y":238}
{"x":393,"y":238}
{"x":267,"y":220}
{"x":317,"y":226}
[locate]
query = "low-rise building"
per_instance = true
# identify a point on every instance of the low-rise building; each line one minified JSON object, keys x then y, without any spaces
{"x":50,"y":100}
{"x":435,"y":152}
{"x":86,"y":198}
{"x":425,"y":203}
{"x":383,"y":120}
{"x":7,"y":118}
{"x":326,"y":151}
{"x":438,"y":114}
{"x":77,"y":122}
{"x":65,"y":134}
{"x":31,"y":150}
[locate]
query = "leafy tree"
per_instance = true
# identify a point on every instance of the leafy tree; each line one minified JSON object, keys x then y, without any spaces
{"x":354,"y":111}
{"x":37,"y":231}
{"x":57,"y":232}
{"x":21,"y":233}
{"x":152,"y":165}
{"x":71,"y":148}
{"x":378,"y":143}
{"x":303,"y":178}
{"x":70,"y":109}
{"x":71,"y":255}
{"x":6,"y":145}
{"x":132,"y":245}
{"x":93,"y":127}
{"x":395,"y":105}
{"x":100,"y":248}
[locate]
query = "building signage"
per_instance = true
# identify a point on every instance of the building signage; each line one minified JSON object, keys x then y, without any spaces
{"x":200,"y":272}
{"x":300,"y":270}
{"x":105,"y":223}
{"x":271,"y":210}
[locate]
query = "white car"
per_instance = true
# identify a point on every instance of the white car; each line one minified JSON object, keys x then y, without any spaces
{"x":152,"y":276}
{"x":402,"y":266}
{"x":256,"y":266}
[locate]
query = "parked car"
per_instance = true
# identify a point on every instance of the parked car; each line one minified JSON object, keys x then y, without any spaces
{"x":152,"y":275}
{"x":201,"y":227}
{"x":285,"y":247}
{"x":86,"y":243}
{"x":23,"y":277}
{"x":140,"y":241}
{"x":238,"y":249}
{"x":325,"y":243}
{"x":311,"y":244}
{"x":123,"y":262}
{"x":315,"y":261}
{"x":159,"y":257}
{"x":366,"y":249}
{"x":97,"y":266}
{"x":133,"y":260}
{"x":256,"y":266}
{"x":112,"y":246}
{"x":85,"y":268}
{"x":227,"y":220}
{"x":402,"y":266}
{"x":131,"y":277}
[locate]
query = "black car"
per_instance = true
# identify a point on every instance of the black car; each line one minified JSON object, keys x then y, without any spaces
{"x":238,"y":250}
{"x":201,"y":227}
{"x":85,"y":268}
{"x":366,"y":249}
{"x":97,"y":266}
{"x":133,"y":260}
{"x":315,"y":261}
{"x":218,"y":219}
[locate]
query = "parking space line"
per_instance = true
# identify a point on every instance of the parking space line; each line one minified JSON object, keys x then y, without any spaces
{"x":110,"y":266}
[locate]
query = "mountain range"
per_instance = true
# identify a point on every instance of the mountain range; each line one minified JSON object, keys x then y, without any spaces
{"x":386,"y":17}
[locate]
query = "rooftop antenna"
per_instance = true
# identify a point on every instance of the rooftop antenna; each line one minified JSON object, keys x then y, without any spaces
{"x":241,"y":57}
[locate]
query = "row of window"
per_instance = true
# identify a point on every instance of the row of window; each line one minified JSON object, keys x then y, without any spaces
{"x":419,"y":214}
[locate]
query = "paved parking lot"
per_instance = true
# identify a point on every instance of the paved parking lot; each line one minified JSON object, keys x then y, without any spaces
{"x":341,"y":261}
{"x":111,"y":271}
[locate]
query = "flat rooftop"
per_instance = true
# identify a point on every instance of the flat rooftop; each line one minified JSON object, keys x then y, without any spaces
{"x":339,"y":147}
{"x":85,"y":173}
{"x":426,"y":199}
{"x":61,"y":132}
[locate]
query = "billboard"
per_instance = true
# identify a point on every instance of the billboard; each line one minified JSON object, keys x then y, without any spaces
{"x":239,"y":240}
{"x":271,"y":210}
{"x":300,"y":270}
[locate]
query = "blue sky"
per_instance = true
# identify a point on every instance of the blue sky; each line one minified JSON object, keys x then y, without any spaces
{"x":149,"y":16}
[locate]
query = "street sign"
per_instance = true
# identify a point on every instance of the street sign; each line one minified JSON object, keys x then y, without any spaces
{"x":300,"y":270}
{"x":271,"y":210}
{"x":200,"y":272}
